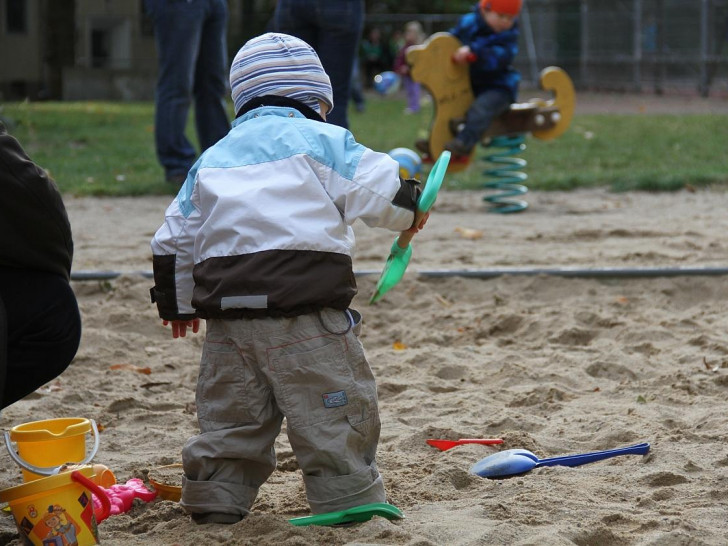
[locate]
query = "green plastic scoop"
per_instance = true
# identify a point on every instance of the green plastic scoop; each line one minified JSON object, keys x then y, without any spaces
{"x":401,"y":251}
{"x":357,"y":514}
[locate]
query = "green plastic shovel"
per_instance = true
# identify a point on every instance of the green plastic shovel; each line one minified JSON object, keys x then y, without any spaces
{"x":357,"y":514}
{"x":401,"y":251}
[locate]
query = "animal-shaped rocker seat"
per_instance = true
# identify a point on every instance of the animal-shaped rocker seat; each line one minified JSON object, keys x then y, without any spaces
{"x":449,"y":85}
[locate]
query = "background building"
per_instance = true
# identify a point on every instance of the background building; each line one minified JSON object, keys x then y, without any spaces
{"x":92,"y":49}
{"x":104,"y":49}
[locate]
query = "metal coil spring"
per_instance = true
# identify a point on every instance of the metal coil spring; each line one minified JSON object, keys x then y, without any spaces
{"x":507,"y":176}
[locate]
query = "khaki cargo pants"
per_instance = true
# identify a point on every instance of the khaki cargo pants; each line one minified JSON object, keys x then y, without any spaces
{"x":310,"y":369}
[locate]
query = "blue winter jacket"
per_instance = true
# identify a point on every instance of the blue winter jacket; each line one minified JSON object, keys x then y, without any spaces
{"x":495,"y":52}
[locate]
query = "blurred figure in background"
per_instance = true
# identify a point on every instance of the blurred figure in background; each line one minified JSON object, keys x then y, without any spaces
{"x":395,"y":42}
{"x":413,"y":35}
{"x":193,"y":66}
{"x":489,"y":34}
{"x":333,"y":28}
{"x":357,"y":93}
{"x":374,"y":56}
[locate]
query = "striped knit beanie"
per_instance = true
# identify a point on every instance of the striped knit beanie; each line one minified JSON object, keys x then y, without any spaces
{"x":281,"y":65}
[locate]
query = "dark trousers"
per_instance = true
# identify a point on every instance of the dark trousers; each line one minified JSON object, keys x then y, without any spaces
{"x":333,"y":29}
{"x":40,"y":330}
{"x":487,"y":106}
{"x":191,"y":40}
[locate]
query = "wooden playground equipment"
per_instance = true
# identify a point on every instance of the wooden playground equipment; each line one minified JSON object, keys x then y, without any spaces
{"x":449,"y":84}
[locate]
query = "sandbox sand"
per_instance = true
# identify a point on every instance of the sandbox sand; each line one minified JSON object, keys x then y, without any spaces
{"x":553,"y":364}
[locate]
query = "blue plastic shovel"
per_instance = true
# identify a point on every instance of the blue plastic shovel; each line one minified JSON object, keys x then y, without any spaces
{"x":518,"y":461}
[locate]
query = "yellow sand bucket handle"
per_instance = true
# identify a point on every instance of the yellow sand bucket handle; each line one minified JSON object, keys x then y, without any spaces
{"x":52,"y":470}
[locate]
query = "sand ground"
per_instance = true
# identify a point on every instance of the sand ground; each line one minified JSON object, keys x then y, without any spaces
{"x":553,"y":364}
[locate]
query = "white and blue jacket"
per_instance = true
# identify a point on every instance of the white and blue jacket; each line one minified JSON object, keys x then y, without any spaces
{"x":262,"y":225}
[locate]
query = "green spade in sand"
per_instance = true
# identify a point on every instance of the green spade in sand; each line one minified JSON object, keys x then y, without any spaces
{"x":356,"y":514}
{"x":401,"y":251}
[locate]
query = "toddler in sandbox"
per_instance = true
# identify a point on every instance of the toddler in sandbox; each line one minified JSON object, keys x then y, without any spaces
{"x":259,"y":243}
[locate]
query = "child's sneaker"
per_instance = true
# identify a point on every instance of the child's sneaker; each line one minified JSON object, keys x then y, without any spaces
{"x":423,"y":145}
{"x":457,"y":147}
{"x":456,"y":125}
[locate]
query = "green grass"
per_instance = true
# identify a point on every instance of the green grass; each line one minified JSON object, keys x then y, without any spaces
{"x":623,"y":152}
{"x":101,"y":148}
{"x":91,"y":148}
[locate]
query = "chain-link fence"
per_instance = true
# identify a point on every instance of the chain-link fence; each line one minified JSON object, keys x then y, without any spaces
{"x":642,"y":45}
{"x":622,"y":45}
{"x":626,"y":45}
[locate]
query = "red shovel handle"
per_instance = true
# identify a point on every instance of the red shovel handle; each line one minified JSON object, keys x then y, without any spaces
{"x":96,"y":490}
{"x":444,"y":445}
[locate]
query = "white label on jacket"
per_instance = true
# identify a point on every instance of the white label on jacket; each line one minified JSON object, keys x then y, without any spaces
{"x":244,"y":302}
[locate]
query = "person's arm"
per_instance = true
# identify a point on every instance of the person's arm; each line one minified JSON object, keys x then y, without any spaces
{"x":496,"y":52}
{"x":32,"y":214}
{"x":173,"y":261}
{"x":459,"y":29}
{"x":371,"y":189}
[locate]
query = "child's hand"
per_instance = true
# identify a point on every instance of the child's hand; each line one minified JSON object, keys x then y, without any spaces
{"x":179,"y":327}
{"x":419,"y":223}
{"x":463,"y":55}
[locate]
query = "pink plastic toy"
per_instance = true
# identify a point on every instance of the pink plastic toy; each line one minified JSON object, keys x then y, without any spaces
{"x":121,"y":497}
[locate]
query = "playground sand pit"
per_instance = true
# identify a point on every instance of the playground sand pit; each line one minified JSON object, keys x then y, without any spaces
{"x":551,"y":364}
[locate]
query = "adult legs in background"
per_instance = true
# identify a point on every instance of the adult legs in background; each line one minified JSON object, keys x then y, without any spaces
{"x":333,"y":29}
{"x":191,"y":48}
{"x":43,"y":330}
{"x":357,"y":94}
{"x":211,"y":78}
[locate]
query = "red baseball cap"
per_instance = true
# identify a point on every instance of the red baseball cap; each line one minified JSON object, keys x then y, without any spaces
{"x":508,"y":7}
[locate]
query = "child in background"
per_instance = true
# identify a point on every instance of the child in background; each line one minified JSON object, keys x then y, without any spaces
{"x":259,"y":243}
{"x":489,"y":35}
{"x":374,"y":56}
{"x":413,"y":35}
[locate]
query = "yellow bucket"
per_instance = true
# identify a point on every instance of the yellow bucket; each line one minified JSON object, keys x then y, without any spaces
{"x":44,"y":447}
{"x":57,"y":510}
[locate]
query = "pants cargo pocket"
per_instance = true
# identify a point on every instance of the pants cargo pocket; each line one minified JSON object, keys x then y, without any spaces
{"x":222,"y":387}
{"x":315,"y":384}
